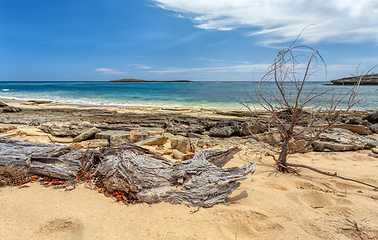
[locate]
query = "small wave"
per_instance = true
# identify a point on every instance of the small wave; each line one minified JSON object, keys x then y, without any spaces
{"x":6,"y":90}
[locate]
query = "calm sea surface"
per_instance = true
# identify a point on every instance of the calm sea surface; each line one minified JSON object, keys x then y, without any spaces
{"x":197,"y":94}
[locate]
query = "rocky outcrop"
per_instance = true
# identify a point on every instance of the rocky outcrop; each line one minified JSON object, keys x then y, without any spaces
{"x":6,"y":128}
{"x":229,"y":128}
{"x":180,"y":126}
{"x":371,"y":79}
{"x":359,"y":129}
{"x":86,"y":135}
{"x":6,"y":108}
{"x":140,"y":136}
{"x":91,"y":144}
{"x":222,"y":128}
{"x":115,"y":137}
{"x":182,"y":144}
{"x":156,"y":140}
{"x":375,"y":150}
{"x":3,"y":104}
{"x":223,"y":131}
{"x":374,"y":128}
{"x":372,"y":118}
{"x":336,"y":139}
{"x":65,"y":129}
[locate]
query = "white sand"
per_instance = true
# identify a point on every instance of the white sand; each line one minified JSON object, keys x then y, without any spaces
{"x":268,"y":205}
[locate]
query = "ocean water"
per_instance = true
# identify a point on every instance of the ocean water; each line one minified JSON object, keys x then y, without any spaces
{"x":195,"y":94}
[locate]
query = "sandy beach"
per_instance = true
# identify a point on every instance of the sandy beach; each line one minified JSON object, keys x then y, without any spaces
{"x":267,"y":205}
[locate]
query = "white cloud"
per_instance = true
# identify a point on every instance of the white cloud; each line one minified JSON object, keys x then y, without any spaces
{"x":244,"y":68}
{"x":282,"y":20}
{"x":139,"y":66}
{"x":109,"y":71}
{"x":333,"y":71}
{"x":210,"y":60}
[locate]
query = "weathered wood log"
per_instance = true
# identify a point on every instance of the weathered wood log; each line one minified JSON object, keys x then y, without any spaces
{"x":152,"y":178}
{"x":142,"y":174}
{"x":43,"y":159}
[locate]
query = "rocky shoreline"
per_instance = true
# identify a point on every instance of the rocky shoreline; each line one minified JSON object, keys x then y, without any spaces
{"x":368,"y":80}
{"x":266,"y":205}
{"x":175,"y":133}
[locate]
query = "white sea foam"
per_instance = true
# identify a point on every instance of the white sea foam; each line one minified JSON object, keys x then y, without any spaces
{"x":86,"y":101}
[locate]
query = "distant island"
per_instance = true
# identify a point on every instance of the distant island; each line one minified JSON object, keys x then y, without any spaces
{"x":371,"y":79}
{"x":132,"y":80}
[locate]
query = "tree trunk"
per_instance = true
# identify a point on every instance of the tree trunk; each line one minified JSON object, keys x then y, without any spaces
{"x":140,"y":173}
{"x":41,"y":159}
{"x":282,"y":158}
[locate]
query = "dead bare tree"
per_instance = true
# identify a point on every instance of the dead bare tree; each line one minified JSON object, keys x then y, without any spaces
{"x":295,"y":112}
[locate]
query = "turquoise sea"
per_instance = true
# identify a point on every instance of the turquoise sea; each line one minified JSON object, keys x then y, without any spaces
{"x":218,"y":94}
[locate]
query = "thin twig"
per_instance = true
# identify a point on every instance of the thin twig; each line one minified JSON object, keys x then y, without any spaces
{"x":330,"y":174}
{"x":51,"y":139}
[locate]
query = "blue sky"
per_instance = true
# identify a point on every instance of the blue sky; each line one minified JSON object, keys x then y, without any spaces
{"x":179,"y":39}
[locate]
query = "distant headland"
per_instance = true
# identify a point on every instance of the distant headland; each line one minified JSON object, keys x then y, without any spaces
{"x":371,"y":80}
{"x":133,"y":80}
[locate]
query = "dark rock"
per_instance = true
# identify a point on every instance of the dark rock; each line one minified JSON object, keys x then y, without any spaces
{"x":287,"y":114}
{"x":140,"y":136}
{"x":185,"y":126}
{"x":107,"y":128}
{"x":6,"y":108}
{"x":353,"y":120}
{"x":372,"y":118}
{"x":3,"y":104}
{"x":226,"y":131}
{"x":11,"y":109}
{"x":371,"y":79}
{"x":36,"y":102}
{"x":227,"y":128}
{"x":374,"y":128}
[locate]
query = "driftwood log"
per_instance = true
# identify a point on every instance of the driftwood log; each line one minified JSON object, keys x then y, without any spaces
{"x":42,"y":159}
{"x":142,"y":174}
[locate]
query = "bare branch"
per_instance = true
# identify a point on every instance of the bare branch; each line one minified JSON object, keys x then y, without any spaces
{"x":286,"y":106}
{"x":331,"y":174}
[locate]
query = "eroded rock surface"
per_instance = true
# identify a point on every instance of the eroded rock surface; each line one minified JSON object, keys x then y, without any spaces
{"x":343,"y":140}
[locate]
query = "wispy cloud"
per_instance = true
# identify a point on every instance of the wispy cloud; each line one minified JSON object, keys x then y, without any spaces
{"x":139,"y":66}
{"x":210,"y":60}
{"x":278,"y":21}
{"x":244,"y":68}
{"x":109,"y":71}
{"x":332,"y":71}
